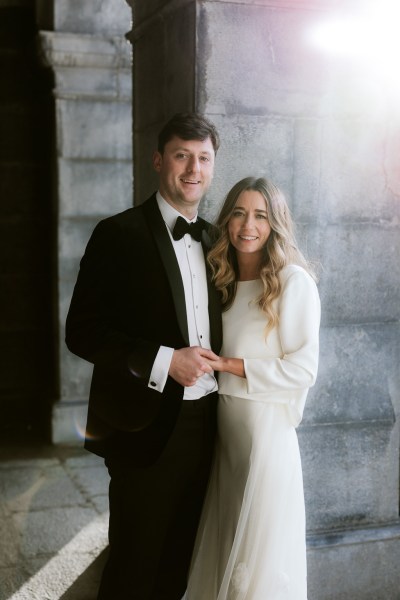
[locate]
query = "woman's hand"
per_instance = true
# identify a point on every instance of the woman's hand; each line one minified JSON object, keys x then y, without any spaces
{"x":228,"y":365}
{"x":188,"y":364}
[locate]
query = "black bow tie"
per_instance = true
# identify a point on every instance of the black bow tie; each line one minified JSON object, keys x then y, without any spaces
{"x":182,"y":227}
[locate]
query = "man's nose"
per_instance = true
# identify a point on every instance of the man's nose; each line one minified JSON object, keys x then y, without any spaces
{"x":193,"y":165}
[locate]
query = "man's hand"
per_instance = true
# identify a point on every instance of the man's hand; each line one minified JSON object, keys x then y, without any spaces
{"x":188,"y":364}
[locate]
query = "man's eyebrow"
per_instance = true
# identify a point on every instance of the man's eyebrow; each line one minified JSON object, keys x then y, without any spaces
{"x":183,"y":149}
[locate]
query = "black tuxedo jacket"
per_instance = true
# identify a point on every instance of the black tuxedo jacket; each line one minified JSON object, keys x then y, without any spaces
{"x":127,"y":302}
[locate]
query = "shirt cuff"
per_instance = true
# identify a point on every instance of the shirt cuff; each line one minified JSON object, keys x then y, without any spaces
{"x":159,"y":372}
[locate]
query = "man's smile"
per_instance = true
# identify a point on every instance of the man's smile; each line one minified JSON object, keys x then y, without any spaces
{"x":191,"y":181}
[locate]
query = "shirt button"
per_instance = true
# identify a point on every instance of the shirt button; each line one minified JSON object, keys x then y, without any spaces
{"x":153,"y":383}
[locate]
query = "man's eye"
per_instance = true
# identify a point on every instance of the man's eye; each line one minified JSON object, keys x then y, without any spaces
{"x":181,"y":155}
{"x":204,"y":158}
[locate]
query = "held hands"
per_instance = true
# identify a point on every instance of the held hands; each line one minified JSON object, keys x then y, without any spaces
{"x":188,"y":364}
{"x":235,"y":366}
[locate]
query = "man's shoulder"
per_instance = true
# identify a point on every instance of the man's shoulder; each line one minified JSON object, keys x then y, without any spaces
{"x":130,"y":217}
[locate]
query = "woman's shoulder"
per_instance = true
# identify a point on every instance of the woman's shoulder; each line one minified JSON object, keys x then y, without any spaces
{"x":292,"y":269}
{"x":296,"y":274}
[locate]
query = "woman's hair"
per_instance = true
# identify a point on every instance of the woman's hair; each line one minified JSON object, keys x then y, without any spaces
{"x":280,"y":249}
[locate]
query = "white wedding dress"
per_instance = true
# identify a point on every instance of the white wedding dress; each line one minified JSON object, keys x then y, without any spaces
{"x":251,"y":539}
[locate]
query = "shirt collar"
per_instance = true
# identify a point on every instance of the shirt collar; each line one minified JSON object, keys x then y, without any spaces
{"x":169,"y":213}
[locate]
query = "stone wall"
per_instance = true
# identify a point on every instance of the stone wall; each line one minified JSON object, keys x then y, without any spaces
{"x":84,"y":46}
{"x":322,"y":130}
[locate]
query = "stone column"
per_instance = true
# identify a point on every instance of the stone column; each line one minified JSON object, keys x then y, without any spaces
{"x":327,"y":134}
{"x":84,"y":45}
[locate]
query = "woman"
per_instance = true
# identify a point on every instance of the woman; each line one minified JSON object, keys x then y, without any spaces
{"x":251,"y":540}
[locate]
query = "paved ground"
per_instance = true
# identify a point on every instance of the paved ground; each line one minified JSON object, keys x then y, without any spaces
{"x":53,"y":523}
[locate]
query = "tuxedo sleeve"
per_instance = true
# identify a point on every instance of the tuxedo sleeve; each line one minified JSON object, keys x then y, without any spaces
{"x":94,"y":327}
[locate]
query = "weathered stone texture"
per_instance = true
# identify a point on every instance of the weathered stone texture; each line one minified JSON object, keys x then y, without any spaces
{"x":91,"y":16}
{"x":91,"y":62}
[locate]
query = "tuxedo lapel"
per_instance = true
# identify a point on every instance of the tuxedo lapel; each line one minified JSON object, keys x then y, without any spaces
{"x":167,"y":254}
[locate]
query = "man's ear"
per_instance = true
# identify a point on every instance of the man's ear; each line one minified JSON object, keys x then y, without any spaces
{"x":157,"y":161}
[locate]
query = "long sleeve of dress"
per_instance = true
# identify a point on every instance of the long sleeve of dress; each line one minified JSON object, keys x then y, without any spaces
{"x":282,"y":367}
{"x":298,"y":331}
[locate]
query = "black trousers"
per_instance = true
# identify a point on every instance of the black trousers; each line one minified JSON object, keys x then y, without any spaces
{"x":154,"y":511}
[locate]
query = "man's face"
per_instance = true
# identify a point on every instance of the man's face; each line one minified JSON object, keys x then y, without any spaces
{"x":186,"y":170}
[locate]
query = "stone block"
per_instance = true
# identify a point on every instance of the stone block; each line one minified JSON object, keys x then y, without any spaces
{"x":250,"y":145}
{"x":271,"y":70}
{"x":357,"y":180}
{"x":95,"y":82}
{"x":355,"y":565}
{"x":124,"y":83}
{"x":307,"y":201}
{"x":69,"y":422}
{"x":360,"y":272}
{"x":73,"y":236}
{"x":97,"y":188}
{"x":77,"y":51}
{"x":358,"y":377}
{"x":349,"y":436}
{"x":94,"y":130}
{"x":75,"y":377}
{"x":350,"y":473}
{"x":92,"y":16}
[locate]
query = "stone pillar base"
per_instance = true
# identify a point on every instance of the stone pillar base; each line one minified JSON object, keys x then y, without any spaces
{"x":68,"y":422}
{"x":359,"y":564}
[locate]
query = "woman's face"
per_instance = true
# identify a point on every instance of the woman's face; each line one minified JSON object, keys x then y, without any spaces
{"x":248,"y":227}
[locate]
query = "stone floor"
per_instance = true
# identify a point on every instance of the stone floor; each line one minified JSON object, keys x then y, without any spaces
{"x":53,"y":523}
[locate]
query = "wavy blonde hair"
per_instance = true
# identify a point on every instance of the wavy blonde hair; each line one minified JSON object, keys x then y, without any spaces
{"x":280,"y":249}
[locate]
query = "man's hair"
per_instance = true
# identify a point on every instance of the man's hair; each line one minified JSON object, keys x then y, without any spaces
{"x":188,"y":126}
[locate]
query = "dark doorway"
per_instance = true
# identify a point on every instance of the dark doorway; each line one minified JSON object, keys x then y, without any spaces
{"x":27,"y":230}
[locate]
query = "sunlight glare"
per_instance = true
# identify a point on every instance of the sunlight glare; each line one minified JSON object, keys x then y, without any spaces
{"x":369,"y":38}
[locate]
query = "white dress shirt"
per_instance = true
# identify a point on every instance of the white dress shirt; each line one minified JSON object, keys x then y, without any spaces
{"x":190,"y":257}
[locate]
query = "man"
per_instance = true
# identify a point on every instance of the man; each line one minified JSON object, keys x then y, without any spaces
{"x":145,"y":313}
